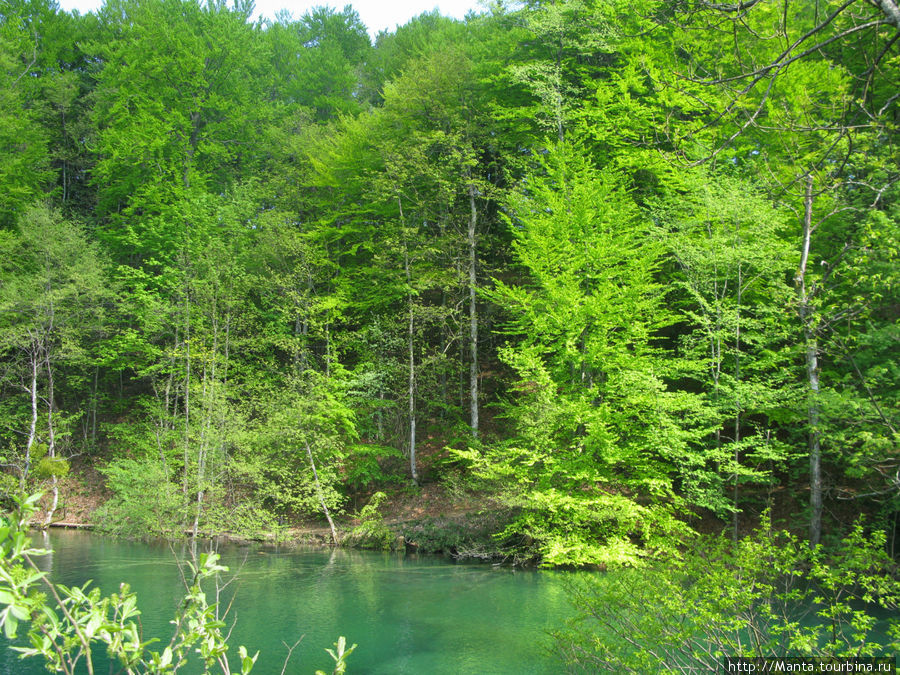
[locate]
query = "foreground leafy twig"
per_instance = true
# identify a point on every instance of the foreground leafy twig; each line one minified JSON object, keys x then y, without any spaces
{"x":63,"y":628}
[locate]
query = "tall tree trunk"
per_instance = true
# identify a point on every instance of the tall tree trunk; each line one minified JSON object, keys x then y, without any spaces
{"x":187,"y":390}
{"x":321,"y":494}
{"x":205,"y":396}
{"x":54,"y":502}
{"x":473,"y":319}
{"x":94,"y":405}
{"x":51,"y":440}
{"x":412,"y":379}
{"x":807,"y":320}
{"x":412,"y":359}
{"x":32,"y":432}
{"x":327,"y":350}
{"x":295,"y":358}
{"x":715,"y":365}
{"x":171,"y":391}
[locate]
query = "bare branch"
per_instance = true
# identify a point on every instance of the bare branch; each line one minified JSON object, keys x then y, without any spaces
{"x":870,"y":71}
{"x":777,"y":61}
{"x":290,"y":649}
{"x":887,"y":105}
{"x":739,"y":7}
{"x":30,"y":63}
{"x":741,"y":129}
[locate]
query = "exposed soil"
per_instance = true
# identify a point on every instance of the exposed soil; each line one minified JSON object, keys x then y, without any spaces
{"x":406,"y":505}
{"x":80,"y":494}
{"x":441,"y":504}
{"x":431,"y":499}
{"x":84,"y":490}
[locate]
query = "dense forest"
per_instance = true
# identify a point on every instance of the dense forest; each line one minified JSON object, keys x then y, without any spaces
{"x":627,"y":267}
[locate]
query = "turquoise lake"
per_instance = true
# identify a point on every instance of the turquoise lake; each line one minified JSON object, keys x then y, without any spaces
{"x":407,"y":614}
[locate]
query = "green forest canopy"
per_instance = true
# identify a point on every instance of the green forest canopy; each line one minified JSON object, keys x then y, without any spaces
{"x":632,"y":262}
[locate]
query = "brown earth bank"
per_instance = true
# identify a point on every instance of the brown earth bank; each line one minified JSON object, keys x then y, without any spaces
{"x":434,"y":517}
{"x":81,"y":493}
{"x":436,"y":504}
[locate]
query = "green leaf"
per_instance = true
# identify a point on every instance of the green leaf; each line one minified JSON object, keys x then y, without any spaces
{"x":10,"y":623}
{"x":247,"y":662}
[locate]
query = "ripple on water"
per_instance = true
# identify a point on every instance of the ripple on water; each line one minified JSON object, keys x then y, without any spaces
{"x":408,"y":614}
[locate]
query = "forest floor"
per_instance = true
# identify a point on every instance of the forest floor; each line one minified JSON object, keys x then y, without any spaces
{"x":449,"y":508}
{"x":436,"y":502}
{"x":81,"y":493}
{"x":84,"y":490}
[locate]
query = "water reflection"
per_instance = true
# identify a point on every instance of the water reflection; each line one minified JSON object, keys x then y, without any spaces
{"x":408,"y":614}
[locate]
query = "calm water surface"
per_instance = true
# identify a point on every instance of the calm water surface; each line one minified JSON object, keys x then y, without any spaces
{"x":408,"y":614}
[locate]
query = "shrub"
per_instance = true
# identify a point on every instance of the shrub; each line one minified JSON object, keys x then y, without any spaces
{"x":51,"y":467}
{"x":768,"y":595}
{"x":372,"y":532}
{"x":469,"y":536}
{"x":144,"y":501}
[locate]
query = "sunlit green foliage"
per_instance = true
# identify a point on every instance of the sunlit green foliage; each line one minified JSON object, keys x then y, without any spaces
{"x":372,"y":532}
{"x":597,"y":443}
{"x":768,"y":595}
{"x":246,"y":267}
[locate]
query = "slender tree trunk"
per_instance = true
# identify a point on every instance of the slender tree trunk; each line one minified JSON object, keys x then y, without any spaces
{"x":412,"y":360}
{"x":226,"y":355}
{"x":164,"y":418}
{"x":205,"y":395}
{"x":412,"y":384}
{"x":473,"y":319}
{"x":442,"y":373}
{"x":51,"y":440}
{"x":193,"y":142}
{"x":187,"y":391}
{"x":812,"y":373}
{"x":321,"y":494}
{"x":223,"y":398}
{"x":715,"y":342}
{"x":32,"y":432}
{"x":462,"y":385}
{"x":171,"y":392}
{"x":715,"y":368}
{"x":94,"y":404}
{"x":209,"y":398}
{"x":815,"y":450}
{"x":298,"y":327}
{"x":327,"y":350}
{"x":54,"y":502}
{"x":379,"y":415}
